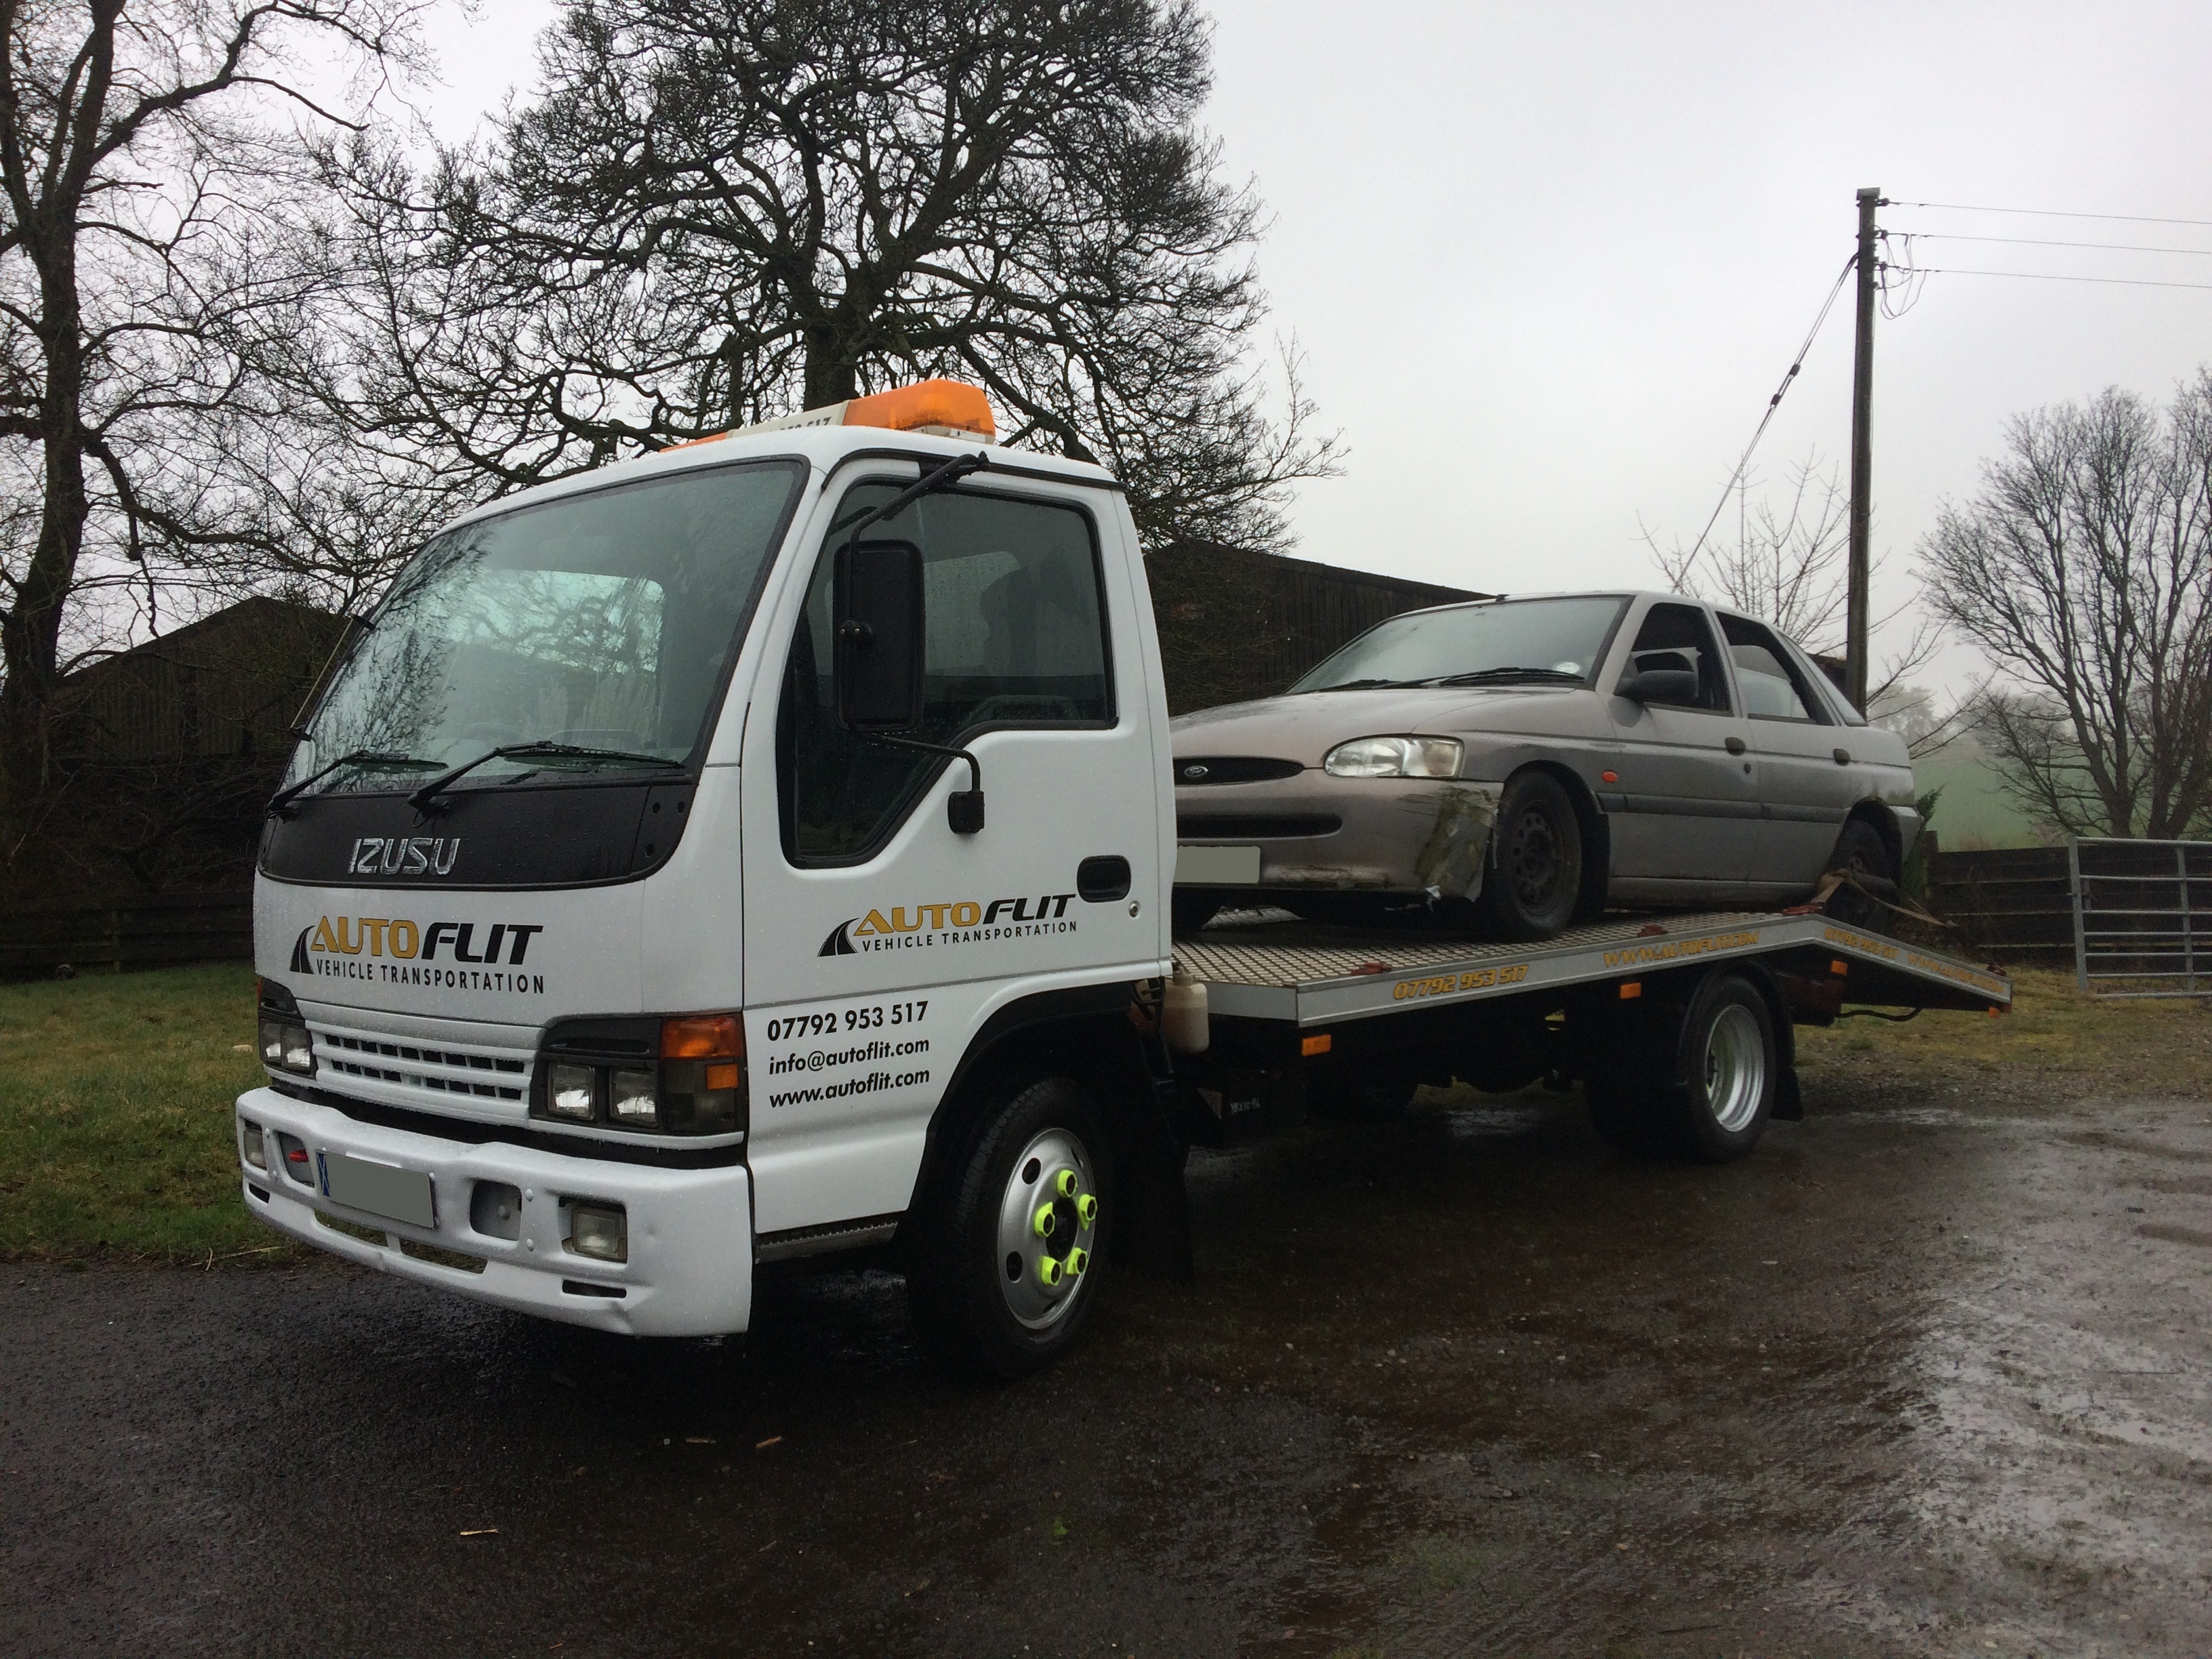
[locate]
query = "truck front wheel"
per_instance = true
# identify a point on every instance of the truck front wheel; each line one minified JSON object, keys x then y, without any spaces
{"x":1006,"y":1262}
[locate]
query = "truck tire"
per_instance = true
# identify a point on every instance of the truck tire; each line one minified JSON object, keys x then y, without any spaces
{"x":1533,"y":876}
{"x":1006,"y":1262}
{"x":1704,"y":1090}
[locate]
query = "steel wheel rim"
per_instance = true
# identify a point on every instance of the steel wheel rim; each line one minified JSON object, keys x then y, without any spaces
{"x":1535,"y":856}
{"x":1735,"y":1067}
{"x":1039,"y":1185}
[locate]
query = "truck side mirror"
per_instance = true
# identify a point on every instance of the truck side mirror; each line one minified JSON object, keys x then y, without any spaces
{"x":1678,"y":685}
{"x":879,"y":605}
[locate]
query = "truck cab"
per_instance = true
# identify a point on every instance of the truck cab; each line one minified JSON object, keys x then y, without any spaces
{"x":740,"y":853}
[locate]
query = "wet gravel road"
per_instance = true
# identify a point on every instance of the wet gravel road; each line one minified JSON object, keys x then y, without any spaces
{"x":1927,"y":1375}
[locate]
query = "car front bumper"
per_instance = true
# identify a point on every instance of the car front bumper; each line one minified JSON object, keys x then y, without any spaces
{"x":689,"y":1231}
{"x":1409,"y":837}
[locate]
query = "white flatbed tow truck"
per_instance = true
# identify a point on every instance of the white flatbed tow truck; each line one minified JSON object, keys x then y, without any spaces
{"x":632,"y":917}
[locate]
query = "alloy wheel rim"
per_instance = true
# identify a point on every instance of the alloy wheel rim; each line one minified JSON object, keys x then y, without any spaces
{"x":1736,"y":1068}
{"x":1048,"y":1229}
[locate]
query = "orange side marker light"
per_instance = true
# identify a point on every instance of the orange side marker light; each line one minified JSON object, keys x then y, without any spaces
{"x":1631,"y":990}
{"x":1317,"y":1045}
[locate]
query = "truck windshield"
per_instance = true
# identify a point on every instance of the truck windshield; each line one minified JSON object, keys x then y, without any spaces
{"x":601,"y":624}
{"x":1536,"y":641}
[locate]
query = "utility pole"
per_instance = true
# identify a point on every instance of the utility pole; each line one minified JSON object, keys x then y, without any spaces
{"x":1855,"y":624}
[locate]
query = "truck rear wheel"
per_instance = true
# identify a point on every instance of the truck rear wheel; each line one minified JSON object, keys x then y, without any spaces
{"x":1713,"y":1101}
{"x":1007,"y":1262}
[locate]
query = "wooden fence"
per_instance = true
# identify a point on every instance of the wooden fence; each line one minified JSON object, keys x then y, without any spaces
{"x":2015,"y":905}
{"x":153,"y":931}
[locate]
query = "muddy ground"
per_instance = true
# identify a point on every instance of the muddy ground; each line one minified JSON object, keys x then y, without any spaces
{"x":1926,"y":1376}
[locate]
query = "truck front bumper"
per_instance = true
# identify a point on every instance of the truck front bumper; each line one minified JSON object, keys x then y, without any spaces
{"x":688,"y":1271}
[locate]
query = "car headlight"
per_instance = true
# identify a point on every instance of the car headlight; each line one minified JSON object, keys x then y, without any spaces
{"x":1396,"y":757}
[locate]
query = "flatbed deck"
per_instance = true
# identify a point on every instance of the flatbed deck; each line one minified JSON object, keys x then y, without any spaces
{"x":1267,"y":965}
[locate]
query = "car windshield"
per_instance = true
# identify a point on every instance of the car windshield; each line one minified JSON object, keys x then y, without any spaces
{"x":1535,"y":641}
{"x":600,"y":624}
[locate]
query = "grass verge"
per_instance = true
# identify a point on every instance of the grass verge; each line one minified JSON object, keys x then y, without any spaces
{"x":115,"y":1117}
{"x":2056,"y":1044}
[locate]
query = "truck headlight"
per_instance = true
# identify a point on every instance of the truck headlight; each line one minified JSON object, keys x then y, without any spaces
{"x":256,"y":1154}
{"x":1396,"y":757}
{"x":680,"y":1076}
{"x":285,"y":1044}
{"x":568,"y":1092}
{"x":287,"y":1048}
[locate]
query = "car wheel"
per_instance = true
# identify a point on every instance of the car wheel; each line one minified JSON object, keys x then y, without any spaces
{"x":1534,"y":874}
{"x":1862,"y":851}
{"x":1006,"y":1264}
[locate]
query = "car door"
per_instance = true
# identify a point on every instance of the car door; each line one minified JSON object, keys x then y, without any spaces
{"x":1684,"y":803}
{"x":1807,"y":782}
{"x":879,"y":939}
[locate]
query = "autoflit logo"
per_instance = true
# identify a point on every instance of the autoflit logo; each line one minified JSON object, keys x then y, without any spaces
{"x":399,"y":950}
{"x":955,"y":921}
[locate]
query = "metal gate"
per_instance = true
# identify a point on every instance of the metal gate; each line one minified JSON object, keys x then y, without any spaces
{"x":2143,"y":917}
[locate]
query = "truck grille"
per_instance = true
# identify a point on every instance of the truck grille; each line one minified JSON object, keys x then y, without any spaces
{"x":487,"y":1065}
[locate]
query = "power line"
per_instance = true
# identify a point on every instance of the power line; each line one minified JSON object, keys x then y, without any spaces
{"x":2048,"y":213}
{"x":2049,"y":277}
{"x":1775,"y":401}
{"x":2039,"y":241}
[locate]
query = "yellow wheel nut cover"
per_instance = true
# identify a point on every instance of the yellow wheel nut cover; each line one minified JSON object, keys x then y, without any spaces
{"x":1087,"y":1209}
{"x":1078,"y":1259}
{"x":1044,"y":1221}
{"x":1048,"y":1272}
{"x":1064,"y":1183}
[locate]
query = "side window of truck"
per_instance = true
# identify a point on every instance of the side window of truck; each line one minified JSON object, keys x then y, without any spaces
{"x":1015,"y":636}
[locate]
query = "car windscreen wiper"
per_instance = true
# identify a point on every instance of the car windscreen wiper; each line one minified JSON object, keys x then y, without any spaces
{"x":1369,"y":685}
{"x":284,"y":797}
{"x":544,"y":749}
{"x":1508,"y":676}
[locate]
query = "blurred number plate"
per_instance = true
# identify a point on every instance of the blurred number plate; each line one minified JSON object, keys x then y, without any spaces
{"x":1217,"y":866}
{"x":379,"y":1189}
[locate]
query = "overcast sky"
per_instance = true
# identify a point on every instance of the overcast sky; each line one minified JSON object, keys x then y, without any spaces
{"x":1547,"y":263}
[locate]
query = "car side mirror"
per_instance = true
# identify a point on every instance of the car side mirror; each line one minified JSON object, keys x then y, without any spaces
{"x":878,"y":601}
{"x":1659,"y":685}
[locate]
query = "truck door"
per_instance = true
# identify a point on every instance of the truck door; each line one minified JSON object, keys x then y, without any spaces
{"x":1686,"y":816}
{"x":877,"y":938}
{"x":1807,"y":792}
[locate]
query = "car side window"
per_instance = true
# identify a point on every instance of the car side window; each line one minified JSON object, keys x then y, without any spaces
{"x":1678,"y":636}
{"x":1772,"y":689}
{"x":1014,"y":634}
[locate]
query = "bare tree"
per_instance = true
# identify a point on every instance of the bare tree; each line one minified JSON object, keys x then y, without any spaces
{"x":716,"y":212}
{"x":1787,"y":566}
{"x":2083,"y":570}
{"x":149,"y":153}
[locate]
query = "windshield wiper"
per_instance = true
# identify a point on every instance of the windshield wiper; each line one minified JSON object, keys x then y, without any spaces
{"x":421,"y":799}
{"x":1369,"y":685}
{"x":283,"y":797}
{"x":1505,"y":675}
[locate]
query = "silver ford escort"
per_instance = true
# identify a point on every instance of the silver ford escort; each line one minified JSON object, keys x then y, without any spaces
{"x":1523,"y":764}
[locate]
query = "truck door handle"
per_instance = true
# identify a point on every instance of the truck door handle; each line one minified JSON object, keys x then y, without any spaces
{"x":1102,"y":878}
{"x":1736,"y":746}
{"x":1842,"y":756}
